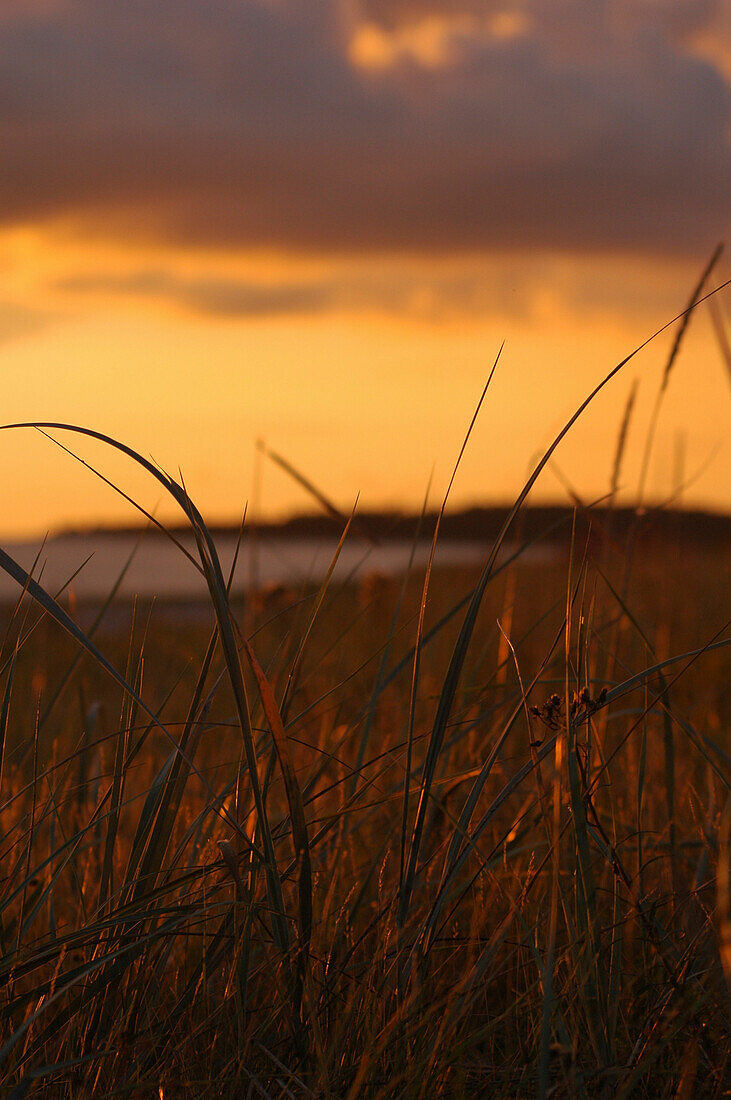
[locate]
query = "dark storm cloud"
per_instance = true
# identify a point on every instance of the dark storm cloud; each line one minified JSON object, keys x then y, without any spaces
{"x":243,"y":122}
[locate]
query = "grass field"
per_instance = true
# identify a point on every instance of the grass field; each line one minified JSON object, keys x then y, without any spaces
{"x":462,"y":835}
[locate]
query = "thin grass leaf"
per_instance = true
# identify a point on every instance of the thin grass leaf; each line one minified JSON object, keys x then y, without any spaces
{"x":406,"y":873}
{"x":695,"y":299}
{"x":211,"y":567}
{"x":297,"y":663}
{"x":381,"y":674}
{"x":622,"y":438}
{"x":721,"y":335}
{"x":459,"y":654}
{"x":325,"y":503}
{"x":5,"y":711}
{"x":13,"y":569}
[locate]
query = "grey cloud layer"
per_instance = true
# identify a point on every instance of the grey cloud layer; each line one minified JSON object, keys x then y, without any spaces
{"x":507,"y":287}
{"x":242,"y":122}
{"x":621,"y":17}
{"x":214,"y":297}
{"x":431,"y":296}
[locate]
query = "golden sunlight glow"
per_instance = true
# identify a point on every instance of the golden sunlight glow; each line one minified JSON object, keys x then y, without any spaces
{"x":425,"y":42}
{"x":712,"y":41}
{"x":430,"y":41}
{"x":507,"y":24}
{"x":363,"y":397}
{"x":316,"y":224}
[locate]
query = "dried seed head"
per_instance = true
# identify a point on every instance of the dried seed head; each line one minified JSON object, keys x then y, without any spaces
{"x":229,"y":858}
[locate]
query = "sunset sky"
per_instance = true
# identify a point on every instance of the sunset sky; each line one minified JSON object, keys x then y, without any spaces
{"x":314,"y":222}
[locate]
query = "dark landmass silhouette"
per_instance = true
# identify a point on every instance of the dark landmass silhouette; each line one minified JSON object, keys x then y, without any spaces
{"x":483,"y":524}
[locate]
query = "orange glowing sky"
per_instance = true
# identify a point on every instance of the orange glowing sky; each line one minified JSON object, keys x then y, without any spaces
{"x":223,"y":220}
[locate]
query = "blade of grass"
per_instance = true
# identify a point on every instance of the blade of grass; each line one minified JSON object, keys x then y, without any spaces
{"x":694,"y":300}
{"x":459,"y":654}
{"x":211,"y":568}
{"x":297,"y":662}
{"x":405,"y":870}
{"x":325,"y":503}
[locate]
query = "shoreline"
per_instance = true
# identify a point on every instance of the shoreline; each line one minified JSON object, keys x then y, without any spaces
{"x":478,"y":523}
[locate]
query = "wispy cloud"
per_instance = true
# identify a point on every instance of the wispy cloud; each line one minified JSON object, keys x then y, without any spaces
{"x":19,"y":320}
{"x":217,"y":297}
{"x":517,"y":288}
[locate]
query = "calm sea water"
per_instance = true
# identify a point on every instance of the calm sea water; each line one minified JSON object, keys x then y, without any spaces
{"x":155,"y":567}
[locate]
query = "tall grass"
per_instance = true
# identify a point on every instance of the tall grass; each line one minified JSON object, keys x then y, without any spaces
{"x":461,"y":835}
